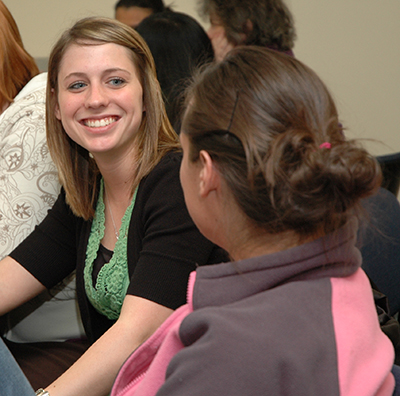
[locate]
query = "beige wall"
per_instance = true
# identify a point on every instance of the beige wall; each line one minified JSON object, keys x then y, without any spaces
{"x":350,"y":43}
{"x":41,"y":21}
{"x":354,"y":46}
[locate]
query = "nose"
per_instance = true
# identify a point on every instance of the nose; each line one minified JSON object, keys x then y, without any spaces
{"x":96,"y":96}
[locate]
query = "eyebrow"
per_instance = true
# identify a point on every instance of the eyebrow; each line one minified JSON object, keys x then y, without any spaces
{"x":107,"y":71}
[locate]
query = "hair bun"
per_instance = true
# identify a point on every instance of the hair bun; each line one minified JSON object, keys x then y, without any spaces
{"x":312,"y":185}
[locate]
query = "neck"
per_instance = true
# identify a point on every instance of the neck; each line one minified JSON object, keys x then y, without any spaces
{"x":118,"y":173}
{"x":240,"y":236}
{"x":116,"y":201}
{"x":118,"y":176}
{"x":244,"y":240}
{"x":261,"y":243}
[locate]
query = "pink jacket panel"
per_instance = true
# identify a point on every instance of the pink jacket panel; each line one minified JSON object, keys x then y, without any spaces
{"x":142,"y":374}
{"x":359,"y":372}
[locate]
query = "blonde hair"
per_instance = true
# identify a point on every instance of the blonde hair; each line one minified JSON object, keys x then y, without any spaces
{"x":78,"y":172}
{"x":17,"y":67}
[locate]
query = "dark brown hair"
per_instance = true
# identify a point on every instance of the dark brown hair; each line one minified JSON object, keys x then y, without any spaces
{"x":78,"y":172}
{"x":272,"y":23}
{"x":262,"y":117}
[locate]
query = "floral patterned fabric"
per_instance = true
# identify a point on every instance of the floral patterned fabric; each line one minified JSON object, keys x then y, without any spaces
{"x":28,"y":178}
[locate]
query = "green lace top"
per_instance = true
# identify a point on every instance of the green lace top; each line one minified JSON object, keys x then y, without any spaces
{"x":113,"y":279}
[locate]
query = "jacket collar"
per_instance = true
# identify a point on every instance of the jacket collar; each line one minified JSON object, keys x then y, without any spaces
{"x":333,"y":255}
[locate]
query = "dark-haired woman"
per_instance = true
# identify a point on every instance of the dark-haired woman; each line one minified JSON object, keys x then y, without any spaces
{"x":179,"y":45}
{"x":268,"y":175}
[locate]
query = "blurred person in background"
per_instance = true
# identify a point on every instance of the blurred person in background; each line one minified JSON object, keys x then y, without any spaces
{"x":132,"y":12}
{"x":179,"y":45}
{"x":265,"y":23}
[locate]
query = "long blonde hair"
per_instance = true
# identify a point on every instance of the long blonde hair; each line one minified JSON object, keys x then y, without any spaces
{"x":78,"y":172}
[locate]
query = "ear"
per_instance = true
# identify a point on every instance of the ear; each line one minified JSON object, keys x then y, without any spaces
{"x":57,"y":112}
{"x":209,"y":176}
{"x":247,"y":29}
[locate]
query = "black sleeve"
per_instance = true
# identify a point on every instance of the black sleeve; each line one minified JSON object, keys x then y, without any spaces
{"x":168,"y":244}
{"x":49,"y":252}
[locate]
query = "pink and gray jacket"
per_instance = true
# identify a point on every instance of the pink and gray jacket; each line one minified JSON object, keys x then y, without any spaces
{"x":297,"y":322}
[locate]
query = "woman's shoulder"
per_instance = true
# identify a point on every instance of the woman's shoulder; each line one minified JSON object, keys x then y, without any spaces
{"x":36,"y":84}
{"x":162,"y":183}
{"x":28,"y":104}
{"x":169,"y":165}
{"x":170,"y":160}
{"x":33,"y":93}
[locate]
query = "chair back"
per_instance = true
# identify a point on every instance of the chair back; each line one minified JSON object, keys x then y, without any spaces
{"x":390,"y":165}
{"x":396,"y":374}
{"x":379,"y":237}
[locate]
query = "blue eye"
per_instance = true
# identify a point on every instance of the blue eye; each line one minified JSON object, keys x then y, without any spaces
{"x":117,"y":82}
{"x":77,"y":85}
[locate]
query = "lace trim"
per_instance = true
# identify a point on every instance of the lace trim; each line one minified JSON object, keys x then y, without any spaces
{"x":113,"y":279}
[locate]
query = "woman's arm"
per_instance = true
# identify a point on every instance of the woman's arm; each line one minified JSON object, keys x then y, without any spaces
{"x":17,"y":285}
{"x":95,"y":372}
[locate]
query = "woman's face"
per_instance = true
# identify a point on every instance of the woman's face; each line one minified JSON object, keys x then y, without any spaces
{"x":100,"y":98}
{"x":217,"y":34}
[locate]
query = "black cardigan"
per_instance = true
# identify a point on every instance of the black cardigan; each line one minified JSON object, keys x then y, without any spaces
{"x":164,"y":246}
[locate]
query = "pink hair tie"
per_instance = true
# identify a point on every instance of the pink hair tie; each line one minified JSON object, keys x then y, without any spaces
{"x":326,"y":145}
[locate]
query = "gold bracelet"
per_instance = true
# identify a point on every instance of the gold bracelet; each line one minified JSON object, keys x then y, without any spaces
{"x":42,"y":392}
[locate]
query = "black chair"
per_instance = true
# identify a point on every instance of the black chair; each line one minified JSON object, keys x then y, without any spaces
{"x":390,"y":165}
{"x":396,"y":374}
{"x":379,"y":241}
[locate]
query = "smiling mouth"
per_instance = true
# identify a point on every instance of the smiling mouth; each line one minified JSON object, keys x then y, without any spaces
{"x":99,"y":123}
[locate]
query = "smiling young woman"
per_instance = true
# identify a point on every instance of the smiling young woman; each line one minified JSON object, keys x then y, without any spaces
{"x":120,"y":221}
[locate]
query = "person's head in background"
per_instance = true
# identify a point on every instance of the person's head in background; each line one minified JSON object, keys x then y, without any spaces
{"x":17,"y":67}
{"x":132,"y":12}
{"x":265,"y":23}
{"x":179,"y":45}
{"x":270,"y":130}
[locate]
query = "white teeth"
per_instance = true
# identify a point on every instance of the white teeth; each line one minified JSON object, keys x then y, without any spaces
{"x":99,"y":123}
